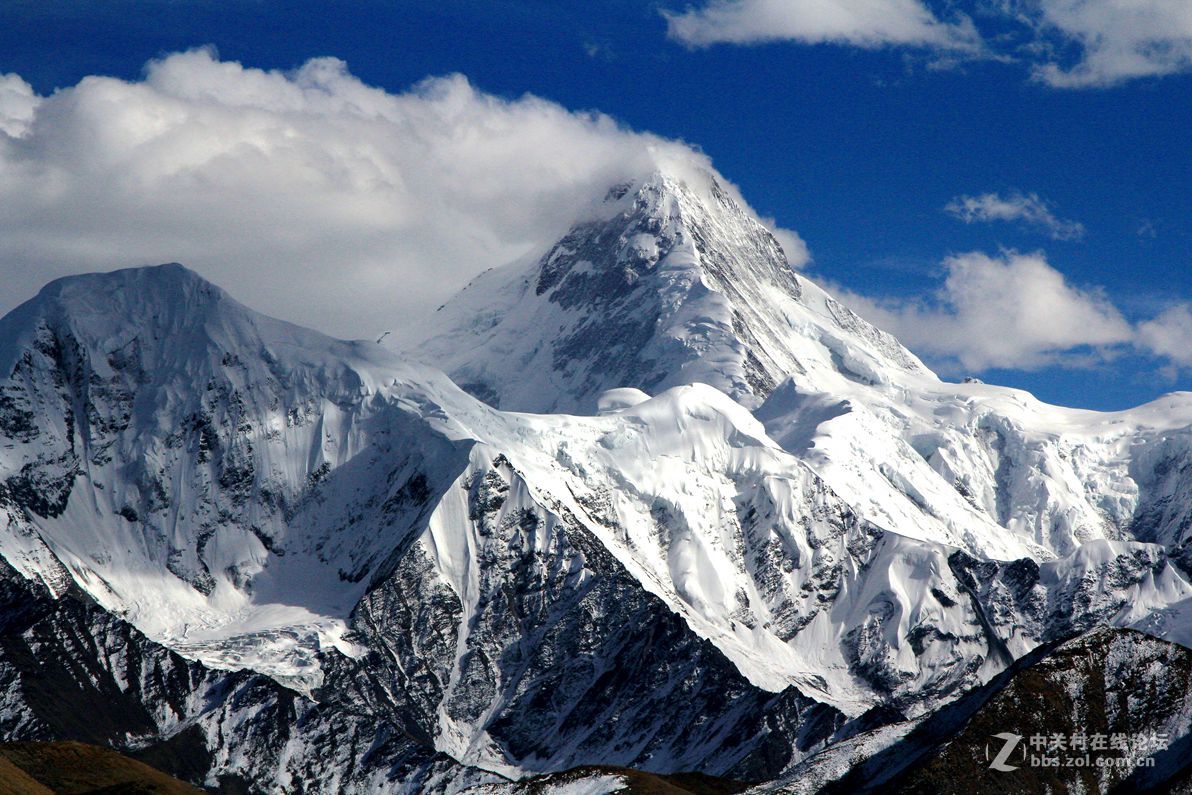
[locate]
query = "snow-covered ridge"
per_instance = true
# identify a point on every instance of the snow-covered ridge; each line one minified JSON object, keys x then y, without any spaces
{"x":677,"y":283}
{"x":163,"y":437}
{"x":244,"y":491}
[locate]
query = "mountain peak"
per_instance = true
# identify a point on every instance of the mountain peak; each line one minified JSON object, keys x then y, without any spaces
{"x":106,"y":311}
{"x":124,"y":295}
{"x":677,"y":188}
{"x":671,"y":280}
{"x":166,"y":318}
{"x":170,"y":280}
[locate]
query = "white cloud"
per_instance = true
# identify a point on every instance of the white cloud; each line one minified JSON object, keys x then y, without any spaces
{"x":798,"y":255}
{"x":17,"y":105}
{"x":1169,"y":335}
{"x":1011,"y":311}
{"x":1064,"y":43}
{"x":309,"y":195}
{"x":862,"y":23}
{"x":1028,"y":208}
{"x":1117,"y":40}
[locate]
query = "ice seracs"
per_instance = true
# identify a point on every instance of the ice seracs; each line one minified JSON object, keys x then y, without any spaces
{"x":617,"y":399}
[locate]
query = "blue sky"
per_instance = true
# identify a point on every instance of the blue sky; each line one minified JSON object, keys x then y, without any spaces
{"x":857,"y":136}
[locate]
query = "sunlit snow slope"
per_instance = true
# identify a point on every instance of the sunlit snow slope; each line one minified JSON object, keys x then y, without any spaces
{"x":673,"y":281}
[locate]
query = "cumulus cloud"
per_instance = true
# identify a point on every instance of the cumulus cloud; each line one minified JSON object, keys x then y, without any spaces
{"x":862,"y":23}
{"x":1009,"y":311}
{"x":1064,"y":43}
{"x":1028,"y":209}
{"x":308,"y":194}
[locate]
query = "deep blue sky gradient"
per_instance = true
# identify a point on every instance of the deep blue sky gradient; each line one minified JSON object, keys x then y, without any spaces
{"x":856,"y":150}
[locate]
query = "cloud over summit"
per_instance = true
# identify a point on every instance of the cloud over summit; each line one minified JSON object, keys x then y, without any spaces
{"x":323,"y":200}
{"x":312,"y":195}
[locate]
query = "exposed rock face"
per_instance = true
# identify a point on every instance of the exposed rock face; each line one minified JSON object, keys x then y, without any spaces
{"x":1108,"y":711}
{"x":558,"y":658}
{"x":70,"y":670}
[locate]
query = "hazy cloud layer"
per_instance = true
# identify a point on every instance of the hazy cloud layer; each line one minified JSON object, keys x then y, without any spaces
{"x":1064,"y":43}
{"x":308,"y":194}
{"x":1016,"y":311}
{"x":1028,"y":209}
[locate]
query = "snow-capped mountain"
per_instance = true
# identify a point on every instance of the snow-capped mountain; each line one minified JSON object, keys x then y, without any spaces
{"x":670,"y":281}
{"x":803,"y":533}
{"x":254,"y":496}
{"x":676,"y":282}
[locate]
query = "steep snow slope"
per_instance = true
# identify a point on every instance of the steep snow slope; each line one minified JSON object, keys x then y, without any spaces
{"x":247,"y":492}
{"x":161,"y":440}
{"x":977,"y":454}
